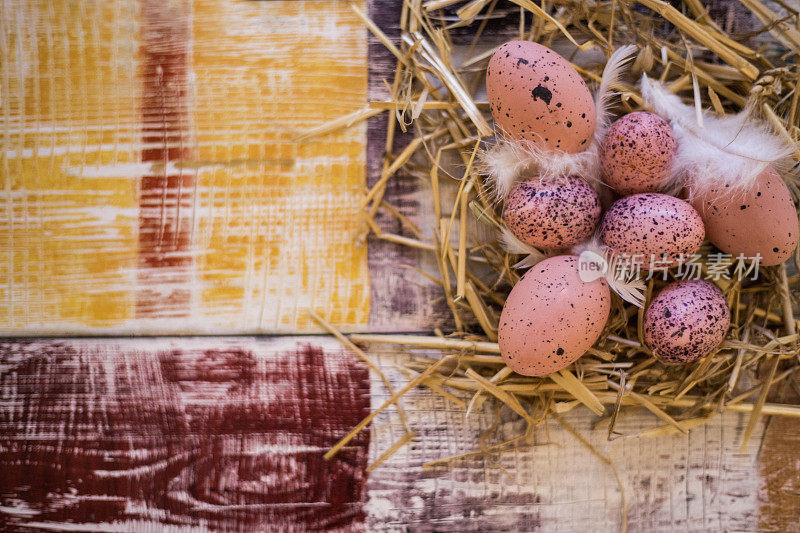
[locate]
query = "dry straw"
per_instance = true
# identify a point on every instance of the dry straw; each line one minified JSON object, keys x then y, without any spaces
{"x":434,"y":97}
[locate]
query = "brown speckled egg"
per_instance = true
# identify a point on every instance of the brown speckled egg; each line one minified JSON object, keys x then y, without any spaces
{"x":551,"y":317}
{"x":552,"y":213}
{"x":758,"y":220}
{"x":536,"y":95}
{"x":653,"y":225}
{"x":637,"y":152}
{"x":686,"y":321}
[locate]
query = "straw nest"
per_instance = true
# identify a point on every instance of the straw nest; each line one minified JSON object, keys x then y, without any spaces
{"x":437,"y":98}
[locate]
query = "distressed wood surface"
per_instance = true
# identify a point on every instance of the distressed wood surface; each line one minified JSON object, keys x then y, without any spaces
{"x":779,"y":469}
{"x":151,"y":182}
{"x":697,"y":483}
{"x":199,"y":433}
{"x":400,"y":296}
{"x":780,"y":477}
{"x":180,"y":433}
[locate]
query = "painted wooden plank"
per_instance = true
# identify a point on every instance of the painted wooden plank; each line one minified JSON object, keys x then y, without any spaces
{"x":779,"y":471}
{"x":699,"y":483}
{"x":401,"y":299}
{"x":229,"y":432}
{"x":164,"y":256}
{"x":180,"y":434}
{"x":272,"y":248}
{"x":151,"y":180}
{"x":69,"y":140}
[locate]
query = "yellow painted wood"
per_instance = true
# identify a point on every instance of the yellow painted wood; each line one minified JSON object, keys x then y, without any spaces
{"x":271,"y":221}
{"x":277,"y":218}
{"x":69,"y":136}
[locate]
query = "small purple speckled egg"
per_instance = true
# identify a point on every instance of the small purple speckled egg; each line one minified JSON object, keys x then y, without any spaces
{"x":551,"y":317}
{"x":686,"y":321}
{"x":552,"y":213}
{"x":637,"y":152}
{"x":652,"y":229}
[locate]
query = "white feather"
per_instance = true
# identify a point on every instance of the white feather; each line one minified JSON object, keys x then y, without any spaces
{"x":513,"y":245}
{"x":612,"y":72}
{"x":509,"y":160}
{"x":502,"y":164}
{"x":623,"y":281}
{"x":632,"y":290}
{"x":729,"y":151}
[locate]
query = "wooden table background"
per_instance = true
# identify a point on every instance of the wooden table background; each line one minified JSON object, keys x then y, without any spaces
{"x":152,"y":185}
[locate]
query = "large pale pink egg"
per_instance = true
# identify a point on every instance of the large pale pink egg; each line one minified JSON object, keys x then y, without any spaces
{"x":637,"y":152}
{"x":652,"y":229}
{"x":536,"y":95}
{"x":552,"y":213}
{"x":759,"y":220}
{"x":686,"y":321}
{"x":551,"y":317}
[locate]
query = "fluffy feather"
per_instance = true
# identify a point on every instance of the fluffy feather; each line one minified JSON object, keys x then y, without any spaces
{"x":622,"y":281}
{"x":508,"y":160}
{"x":724,"y":151}
{"x":612,"y":72}
{"x":502,"y":164}
{"x":515,"y":246}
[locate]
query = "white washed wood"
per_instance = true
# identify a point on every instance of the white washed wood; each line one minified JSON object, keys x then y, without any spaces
{"x":695,"y":483}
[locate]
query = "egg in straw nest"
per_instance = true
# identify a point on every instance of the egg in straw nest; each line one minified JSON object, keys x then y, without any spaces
{"x":615,"y":192}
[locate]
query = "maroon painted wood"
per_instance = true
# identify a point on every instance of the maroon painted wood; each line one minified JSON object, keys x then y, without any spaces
{"x":165,"y":225}
{"x":213,"y":433}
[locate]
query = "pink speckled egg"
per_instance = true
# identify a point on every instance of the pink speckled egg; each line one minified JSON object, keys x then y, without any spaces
{"x":551,"y":317}
{"x":686,"y":321}
{"x":637,"y":152}
{"x":658,"y":226}
{"x":552,"y":213}
{"x":758,"y":220}
{"x":536,"y":95}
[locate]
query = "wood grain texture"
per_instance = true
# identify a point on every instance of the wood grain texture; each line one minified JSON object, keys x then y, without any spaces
{"x":273,"y":248}
{"x":780,"y":477}
{"x":212,"y":433}
{"x":165,"y":192}
{"x":402,"y":300}
{"x":69,"y":141}
{"x":779,"y":468}
{"x":189,"y":434}
{"x":151,"y":183}
{"x":696,"y":483}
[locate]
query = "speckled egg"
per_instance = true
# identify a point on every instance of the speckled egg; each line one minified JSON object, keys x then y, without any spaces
{"x":650,"y":225}
{"x":536,"y":95}
{"x":551,"y":317}
{"x":758,"y":220}
{"x":686,"y":321}
{"x":637,"y":152}
{"x":552,"y":213}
